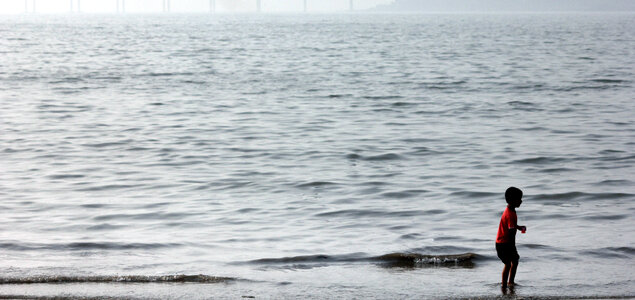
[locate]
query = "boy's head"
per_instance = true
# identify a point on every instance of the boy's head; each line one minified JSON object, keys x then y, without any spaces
{"x":513,"y":196}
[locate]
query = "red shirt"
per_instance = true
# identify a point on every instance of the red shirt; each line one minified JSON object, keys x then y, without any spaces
{"x":508,"y":220}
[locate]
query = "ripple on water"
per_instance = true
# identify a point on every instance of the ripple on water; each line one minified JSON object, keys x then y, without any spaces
{"x":84,"y":246}
{"x":115,"y":279}
{"x":579,"y":196}
{"x":215,"y":139}
{"x":617,"y":183}
{"x":380,"y":157}
{"x":390,"y":260}
{"x":147,"y":216}
{"x":610,"y":252}
{"x":540,"y":160}
{"x":403,"y":194}
{"x":313,"y":184}
{"x":66,"y":176}
{"x":369,"y":213}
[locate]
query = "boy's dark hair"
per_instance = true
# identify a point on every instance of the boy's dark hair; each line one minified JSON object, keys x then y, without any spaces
{"x":513,"y":193}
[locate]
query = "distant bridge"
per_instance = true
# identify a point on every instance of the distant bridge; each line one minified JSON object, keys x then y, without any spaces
{"x":75,"y":5}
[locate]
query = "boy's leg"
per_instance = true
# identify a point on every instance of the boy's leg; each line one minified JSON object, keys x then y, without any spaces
{"x":512,"y":272}
{"x":506,"y":271}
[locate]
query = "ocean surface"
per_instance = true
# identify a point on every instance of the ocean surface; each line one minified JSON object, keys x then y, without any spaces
{"x":315,"y":156}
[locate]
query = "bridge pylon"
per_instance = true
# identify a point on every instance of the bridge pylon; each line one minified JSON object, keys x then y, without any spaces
{"x":212,"y":6}
{"x":121,"y":6}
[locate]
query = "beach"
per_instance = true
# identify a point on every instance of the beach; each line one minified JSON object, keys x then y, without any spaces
{"x":321,"y":156}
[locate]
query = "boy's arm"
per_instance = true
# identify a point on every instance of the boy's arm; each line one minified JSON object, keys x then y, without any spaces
{"x":515,"y":226}
{"x":511,"y":223}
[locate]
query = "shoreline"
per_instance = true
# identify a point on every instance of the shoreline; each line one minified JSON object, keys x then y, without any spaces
{"x":246,"y":289}
{"x":309,"y":296}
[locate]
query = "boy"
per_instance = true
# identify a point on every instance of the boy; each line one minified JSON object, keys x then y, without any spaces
{"x":506,"y":237}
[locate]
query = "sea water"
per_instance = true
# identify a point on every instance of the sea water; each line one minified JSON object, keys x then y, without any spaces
{"x":319,"y":156}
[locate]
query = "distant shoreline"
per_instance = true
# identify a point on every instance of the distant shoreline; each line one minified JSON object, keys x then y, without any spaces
{"x":365,"y":12}
{"x":508,"y":6}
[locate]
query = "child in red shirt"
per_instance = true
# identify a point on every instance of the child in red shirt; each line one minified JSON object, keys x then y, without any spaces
{"x":506,"y":237}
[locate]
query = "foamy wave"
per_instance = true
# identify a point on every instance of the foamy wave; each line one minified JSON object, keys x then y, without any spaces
{"x":115,"y":279}
{"x":397,"y":259}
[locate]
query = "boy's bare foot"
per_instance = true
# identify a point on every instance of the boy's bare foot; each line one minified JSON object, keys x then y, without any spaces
{"x":511,"y":284}
{"x":504,"y":290}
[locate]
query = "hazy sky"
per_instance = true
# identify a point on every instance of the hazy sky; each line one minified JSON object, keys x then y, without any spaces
{"x":184,"y":6}
{"x":149,"y":6}
{"x":509,"y":5}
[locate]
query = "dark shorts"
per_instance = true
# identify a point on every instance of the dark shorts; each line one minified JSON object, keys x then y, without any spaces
{"x":507,"y":252}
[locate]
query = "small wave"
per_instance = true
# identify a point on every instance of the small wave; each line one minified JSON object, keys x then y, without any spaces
{"x":581,"y":86}
{"x":109,"y":187}
{"x":403,"y":194}
{"x":443,"y":249}
{"x":338,"y":95}
{"x":549,"y":217}
{"x":611,"y":252}
{"x":403,"y":104}
{"x":116,"y":279}
{"x":358,"y":213}
{"x":93,"y":205}
{"x":66,"y":176}
{"x":354,"y":156}
{"x":296,"y":259}
{"x":539,"y":160}
{"x":536,"y":246}
{"x":397,"y":259}
{"x":625,"y":250}
{"x":419,"y":140}
{"x":108,"y":144}
{"x":381,"y":157}
{"x":610,"y":151}
{"x":383,"y":110}
{"x":64,"y":109}
{"x":473,"y":194}
{"x":147,"y":216}
{"x":423,"y":151}
{"x":605,"y":217}
{"x":619,"y":158}
{"x":580,"y":196}
{"x":531,"y":87}
{"x":104,"y":226}
{"x":161,"y":74}
{"x":442,"y":85}
{"x":66,"y":80}
{"x":533,"y":128}
{"x":606,"y":80}
{"x":11,"y":150}
{"x":410,"y":236}
{"x":434,"y":112}
{"x":520,"y":103}
{"x":375,"y":183}
{"x":84,"y":246}
{"x":387,"y":97}
{"x":316,"y":184}
{"x":618,"y":182}
{"x":556,"y":170}
{"x":415,"y":259}
{"x":106,"y":77}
